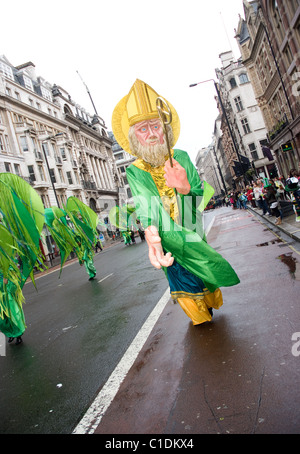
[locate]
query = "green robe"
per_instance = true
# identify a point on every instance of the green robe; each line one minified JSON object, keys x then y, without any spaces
{"x":187,"y":243}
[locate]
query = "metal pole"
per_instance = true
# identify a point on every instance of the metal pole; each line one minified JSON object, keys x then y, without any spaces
{"x":88,"y":93}
{"x":47,"y":164}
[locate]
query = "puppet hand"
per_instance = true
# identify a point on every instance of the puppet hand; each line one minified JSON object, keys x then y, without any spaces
{"x":176,"y":177}
{"x":156,"y":254}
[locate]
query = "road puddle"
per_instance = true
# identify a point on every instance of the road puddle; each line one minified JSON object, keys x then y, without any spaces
{"x":292,"y":264}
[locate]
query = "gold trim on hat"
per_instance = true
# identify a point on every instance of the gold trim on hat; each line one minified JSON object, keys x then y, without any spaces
{"x":138,"y":105}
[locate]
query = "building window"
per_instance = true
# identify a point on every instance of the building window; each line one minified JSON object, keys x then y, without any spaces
{"x":238,"y":103}
{"x":61,"y":176}
{"x":6,"y":70}
{"x":245,"y":126}
{"x":41,"y":172}
{"x":63,"y":154}
{"x":17,"y":169}
{"x":31,"y":173}
{"x":46,"y":149}
{"x":7,"y":91}
{"x":232,"y":82}
{"x":288,"y":55}
{"x":23,"y":143}
{"x":7,"y":167}
{"x":45,"y":200}
{"x":2,"y":148}
{"x":69,"y":176}
{"x":18,"y":97}
{"x":253,"y":151}
{"x":27,"y":82}
{"x":46,"y":93}
{"x":52,"y":175}
{"x":243,"y":78}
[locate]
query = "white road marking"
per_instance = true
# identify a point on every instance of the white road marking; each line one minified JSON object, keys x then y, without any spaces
{"x":94,"y":414}
{"x":106,"y":277}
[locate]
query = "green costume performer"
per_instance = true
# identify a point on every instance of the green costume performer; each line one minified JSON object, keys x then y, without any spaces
{"x":172,"y":218}
{"x":21,"y":223}
{"x":122,"y":217}
{"x":78,"y":233}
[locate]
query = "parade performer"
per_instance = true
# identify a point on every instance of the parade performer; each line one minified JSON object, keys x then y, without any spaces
{"x":74,"y":229}
{"x":169,"y":198}
{"x":21,"y":224}
{"x":62,"y":233}
{"x":122,"y":218}
{"x":84,"y":221}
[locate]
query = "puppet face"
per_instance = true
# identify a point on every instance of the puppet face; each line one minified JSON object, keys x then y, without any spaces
{"x":147,"y":141}
{"x":149,"y":132}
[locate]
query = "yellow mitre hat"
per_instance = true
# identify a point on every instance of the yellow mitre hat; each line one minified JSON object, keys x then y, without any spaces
{"x":138,"y":105}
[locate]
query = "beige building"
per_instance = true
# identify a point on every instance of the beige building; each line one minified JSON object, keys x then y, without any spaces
{"x":53,"y":143}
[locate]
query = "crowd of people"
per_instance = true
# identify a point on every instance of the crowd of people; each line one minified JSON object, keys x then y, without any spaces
{"x":268,"y":194}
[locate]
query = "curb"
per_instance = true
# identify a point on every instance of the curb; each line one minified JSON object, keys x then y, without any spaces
{"x":280,"y":227}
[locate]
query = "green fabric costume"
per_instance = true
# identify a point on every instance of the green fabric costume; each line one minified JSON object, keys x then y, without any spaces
{"x":78,"y":233}
{"x":21,"y":223}
{"x":187,"y":243}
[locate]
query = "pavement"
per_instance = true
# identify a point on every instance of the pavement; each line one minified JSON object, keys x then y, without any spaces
{"x":289,"y":225}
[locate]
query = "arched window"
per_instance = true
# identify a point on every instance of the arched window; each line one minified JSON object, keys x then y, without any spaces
{"x":93,"y":205}
{"x":243,"y":78}
{"x":67,"y":110}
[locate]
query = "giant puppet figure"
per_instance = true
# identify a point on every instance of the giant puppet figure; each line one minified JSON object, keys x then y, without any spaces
{"x":169,"y":197}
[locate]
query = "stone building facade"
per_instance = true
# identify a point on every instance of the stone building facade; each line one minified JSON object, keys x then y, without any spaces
{"x":269,"y":39}
{"x":53,"y":143}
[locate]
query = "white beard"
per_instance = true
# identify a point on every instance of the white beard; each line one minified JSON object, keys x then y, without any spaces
{"x":156,"y":155}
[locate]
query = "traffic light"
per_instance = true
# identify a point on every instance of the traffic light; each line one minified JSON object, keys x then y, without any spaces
{"x":287,"y":146}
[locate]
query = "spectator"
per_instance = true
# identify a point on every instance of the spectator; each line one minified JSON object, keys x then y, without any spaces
{"x":272,"y":200}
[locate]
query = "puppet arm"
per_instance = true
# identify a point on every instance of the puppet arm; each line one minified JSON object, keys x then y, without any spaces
{"x":156,"y":253}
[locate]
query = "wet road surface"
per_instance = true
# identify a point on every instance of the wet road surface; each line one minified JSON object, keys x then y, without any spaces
{"x":236,"y":374}
{"x":77,"y":332}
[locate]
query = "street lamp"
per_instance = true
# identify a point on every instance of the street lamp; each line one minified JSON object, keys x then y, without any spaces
{"x":47,"y":164}
{"x":227,"y":121}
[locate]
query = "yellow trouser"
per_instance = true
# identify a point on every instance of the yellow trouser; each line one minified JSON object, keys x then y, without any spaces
{"x":197,"y":309}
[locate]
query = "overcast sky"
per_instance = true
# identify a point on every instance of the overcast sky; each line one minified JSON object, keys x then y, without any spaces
{"x":167,"y":43}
